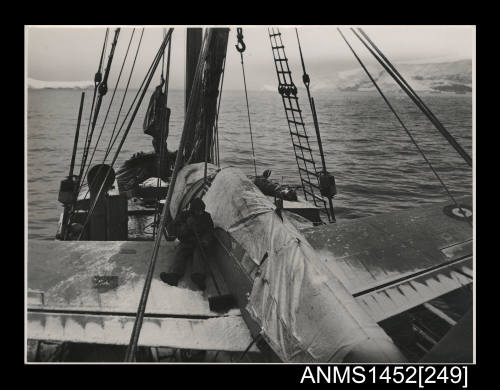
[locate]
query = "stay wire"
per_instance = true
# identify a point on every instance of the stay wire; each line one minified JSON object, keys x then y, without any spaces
{"x":131,"y":105}
{"x":102,"y":92}
{"x":110,"y":104}
{"x":124,"y":96}
{"x":165,"y":86}
{"x":305,"y":78}
{"x":104,"y":47}
{"x":134,"y":338}
{"x":108,"y":150}
{"x":247,"y":349}
{"x":163,"y":59}
{"x":216,"y":132}
{"x":413,"y":95}
{"x":97,"y":80}
{"x":246,"y":98}
{"x":405,"y":128}
{"x":145,"y":83}
{"x":164,"y":123}
{"x":130,"y":108}
{"x":167,"y":72}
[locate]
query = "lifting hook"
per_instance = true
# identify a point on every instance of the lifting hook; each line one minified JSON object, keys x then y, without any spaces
{"x":240,"y":46}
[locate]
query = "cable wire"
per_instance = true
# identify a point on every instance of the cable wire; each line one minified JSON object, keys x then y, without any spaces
{"x":145,"y":83}
{"x":241,"y":50}
{"x":413,"y":95}
{"x":109,"y":106}
{"x":405,"y":128}
{"x":97,"y":80}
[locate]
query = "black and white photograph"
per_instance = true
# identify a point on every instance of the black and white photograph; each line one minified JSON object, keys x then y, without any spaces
{"x":226,"y":194}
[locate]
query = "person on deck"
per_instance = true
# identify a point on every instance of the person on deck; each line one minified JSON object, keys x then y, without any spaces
{"x":194,"y":229}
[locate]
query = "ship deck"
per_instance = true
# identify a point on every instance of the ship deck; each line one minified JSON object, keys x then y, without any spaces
{"x":89,"y":292}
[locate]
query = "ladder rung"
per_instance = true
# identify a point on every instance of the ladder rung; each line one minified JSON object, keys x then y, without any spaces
{"x":310,"y":172}
{"x":314,"y":195}
{"x":296,"y":123}
{"x":293,"y":109}
{"x":274,"y":35}
{"x":284,"y":72}
{"x":302,"y":147}
{"x":281,"y":59}
{"x":311,"y":184}
{"x":278,"y":47}
{"x":305,"y":159}
{"x":299,"y":135}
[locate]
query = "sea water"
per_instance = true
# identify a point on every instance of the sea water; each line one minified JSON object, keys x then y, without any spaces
{"x":376,"y":167}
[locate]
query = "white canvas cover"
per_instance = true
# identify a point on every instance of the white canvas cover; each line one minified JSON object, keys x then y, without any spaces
{"x":305,"y":311}
{"x":189,"y":181}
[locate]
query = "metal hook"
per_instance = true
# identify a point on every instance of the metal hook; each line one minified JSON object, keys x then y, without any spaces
{"x":240,"y":46}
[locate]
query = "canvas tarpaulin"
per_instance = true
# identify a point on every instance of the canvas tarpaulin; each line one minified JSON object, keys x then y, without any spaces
{"x":189,"y":184}
{"x":305,"y":312}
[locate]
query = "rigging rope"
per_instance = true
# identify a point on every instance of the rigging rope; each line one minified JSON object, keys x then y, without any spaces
{"x":110,"y":104}
{"x":307,"y":80}
{"x":214,"y":153}
{"x":216,"y":130}
{"x":131,"y":106}
{"x":413,"y":95}
{"x":98,"y":77}
{"x":404,"y":127}
{"x":134,"y":338}
{"x":164,"y":123}
{"x":103,"y":89}
{"x":145,"y":83}
{"x":167,"y":72}
{"x":241,"y":47}
{"x":254,"y":340}
{"x":165,"y":118}
{"x":110,"y":145}
{"x":162,"y":58}
{"x":97,"y":80}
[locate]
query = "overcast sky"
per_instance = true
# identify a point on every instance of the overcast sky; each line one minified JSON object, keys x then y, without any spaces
{"x":72,"y":53}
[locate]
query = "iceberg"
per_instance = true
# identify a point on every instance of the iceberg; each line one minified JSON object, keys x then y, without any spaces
{"x":39,"y":84}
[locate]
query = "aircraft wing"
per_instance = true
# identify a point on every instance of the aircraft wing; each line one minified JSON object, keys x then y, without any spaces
{"x":89,"y":292}
{"x":393,"y":262}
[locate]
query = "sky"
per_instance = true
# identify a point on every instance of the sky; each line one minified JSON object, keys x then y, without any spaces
{"x":71,"y":53}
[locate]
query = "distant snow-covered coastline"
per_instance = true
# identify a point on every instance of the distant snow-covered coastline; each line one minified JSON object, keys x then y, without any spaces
{"x":454,"y":76}
{"x":39,"y":84}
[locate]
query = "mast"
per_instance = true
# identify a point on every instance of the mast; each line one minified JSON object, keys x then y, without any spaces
{"x":193,"y":48}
